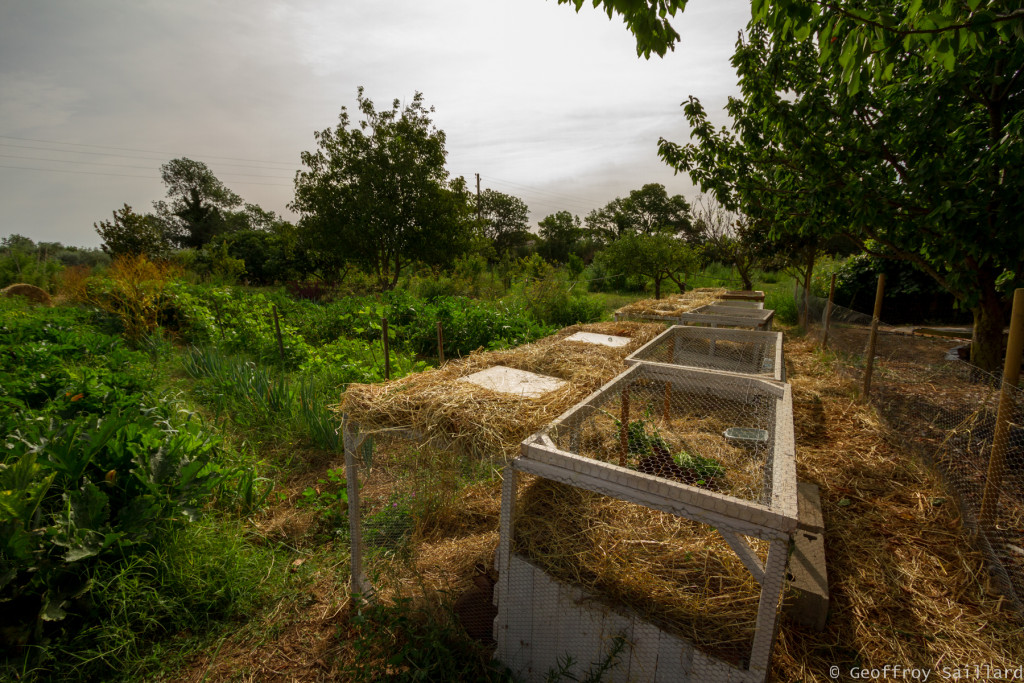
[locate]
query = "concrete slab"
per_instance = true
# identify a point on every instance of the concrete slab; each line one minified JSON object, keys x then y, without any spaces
{"x":808,"y":505}
{"x":806,"y":600}
{"x":603,"y":339}
{"x":512,"y":381}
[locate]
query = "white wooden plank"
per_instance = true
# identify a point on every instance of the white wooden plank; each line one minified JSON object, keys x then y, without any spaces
{"x":570,"y":614}
{"x":615,"y":626}
{"x":743,"y":551}
{"x":545,"y":646}
{"x":675,"y":660}
{"x":518,"y":650}
{"x":643,"y":664}
{"x":589,"y":646}
{"x":703,"y":506}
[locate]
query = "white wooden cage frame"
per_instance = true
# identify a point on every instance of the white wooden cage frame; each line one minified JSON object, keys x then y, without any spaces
{"x":715,"y":315}
{"x":732,"y":517}
{"x":680,"y":357}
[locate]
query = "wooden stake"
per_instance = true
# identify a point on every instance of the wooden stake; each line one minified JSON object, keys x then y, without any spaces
{"x":666,"y":411}
{"x":874,"y":334}
{"x":440,"y":344}
{"x":387,"y":354}
{"x":828,"y":311}
{"x":280,"y":342}
{"x":624,"y":429}
{"x":1011,"y":375}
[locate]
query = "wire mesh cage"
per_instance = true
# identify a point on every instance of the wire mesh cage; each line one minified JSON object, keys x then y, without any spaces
{"x":717,"y":315}
{"x":741,"y":303}
{"x":748,"y":352}
{"x":659,"y":511}
{"x":755,"y":295}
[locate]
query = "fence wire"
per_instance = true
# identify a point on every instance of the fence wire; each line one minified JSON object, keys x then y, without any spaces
{"x":944,"y":409}
{"x":428,"y":528}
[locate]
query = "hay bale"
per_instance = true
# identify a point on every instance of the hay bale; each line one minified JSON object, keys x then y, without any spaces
{"x":473,"y":420}
{"x":671,"y":307}
{"x":30,"y":292}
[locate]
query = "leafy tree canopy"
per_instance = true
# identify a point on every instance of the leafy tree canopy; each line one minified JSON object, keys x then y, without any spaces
{"x":655,"y":256}
{"x":560,"y":232}
{"x":506,"y":220}
{"x":129,"y":233}
{"x":378,"y":193}
{"x":867,"y":38}
{"x":648,"y":210}
{"x":197,"y":203}
{"x":923,"y":168}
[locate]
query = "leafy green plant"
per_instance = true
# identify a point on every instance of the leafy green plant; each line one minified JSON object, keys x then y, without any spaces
{"x":329,"y":498}
{"x":413,"y":643}
{"x":706,"y":468}
{"x":390,"y":528}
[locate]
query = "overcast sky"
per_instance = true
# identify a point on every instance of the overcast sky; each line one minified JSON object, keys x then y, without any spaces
{"x":544,"y":103}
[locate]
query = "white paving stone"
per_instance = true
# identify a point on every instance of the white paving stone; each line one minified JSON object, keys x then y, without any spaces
{"x":603,"y":339}
{"x":512,"y":381}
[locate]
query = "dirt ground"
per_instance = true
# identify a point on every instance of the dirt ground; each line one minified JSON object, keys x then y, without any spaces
{"x":907,"y":587}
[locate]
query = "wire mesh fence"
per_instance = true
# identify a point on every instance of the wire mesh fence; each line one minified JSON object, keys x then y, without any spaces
{"x":424,"y":527}
{"x":944,"y":409}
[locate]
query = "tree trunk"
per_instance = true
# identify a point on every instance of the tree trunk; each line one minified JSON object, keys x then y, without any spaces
{"x":657,"y":288}
{"x":987,"y":340}
{"x":744,"y":272}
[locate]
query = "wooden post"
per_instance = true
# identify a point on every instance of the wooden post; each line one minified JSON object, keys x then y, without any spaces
{"x":624,"y":429}
{"x":387,"y":354}
{"x":1011,"y":375}
{"x":828,"y":311}
{"x":440,"y":344}
{"x":666,"y":410}
{"x":874,"y":334}
{"x":280,"y":342}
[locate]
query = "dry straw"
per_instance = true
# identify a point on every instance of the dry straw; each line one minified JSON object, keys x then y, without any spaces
{"x":469,"y":419}
{"x":670,"y":307}
{"x":676,"y":573}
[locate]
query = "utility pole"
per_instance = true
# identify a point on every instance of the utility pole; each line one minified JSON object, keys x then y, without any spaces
{"x":478,"y":207}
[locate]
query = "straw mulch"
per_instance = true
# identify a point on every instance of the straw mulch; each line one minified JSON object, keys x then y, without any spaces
{"x":678,"y":574}
{"x":906,"y":585}
{"x":694,"y":425}
{"x":469,"y":419}
{"x":671,"y":306}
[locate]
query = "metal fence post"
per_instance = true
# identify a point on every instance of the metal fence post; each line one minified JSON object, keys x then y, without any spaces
{"x":1011,"y":375}
{"x":874,"y":334}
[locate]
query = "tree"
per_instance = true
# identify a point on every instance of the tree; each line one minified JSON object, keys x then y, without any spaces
{"x":647,"y":210}
{"x":728,"y":237}
{"x":378,"y":193}
{"x":198,"y":202}
{"x":133,"y":234}
{"x":866,"y":37}
{"x":560,"y":232}
{"x":924,"y":169}
{"x":506,"y":220}
{"x":655,"y":256}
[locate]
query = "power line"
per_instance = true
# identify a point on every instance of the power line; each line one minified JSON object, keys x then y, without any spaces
{"x":132,"y":149}
{"x":124,"y":175}
{"x":145,"y":168}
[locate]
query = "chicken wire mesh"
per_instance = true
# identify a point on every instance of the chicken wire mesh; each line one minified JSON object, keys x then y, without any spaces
{"x":944,"y":409}
{"x":424,"y":527}
{"x":690,"y":427}
{"x":742,"y":351}
{"x":675,"y":573}
{"x":718,"y":315}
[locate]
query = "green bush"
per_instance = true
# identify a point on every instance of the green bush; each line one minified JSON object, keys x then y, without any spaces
{"x":94,"y":466}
